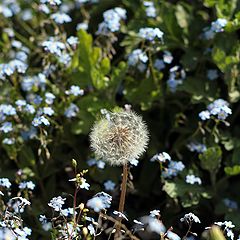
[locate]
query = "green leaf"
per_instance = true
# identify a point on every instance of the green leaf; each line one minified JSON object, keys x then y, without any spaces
{"x":219,"y":57}
{"x":171,"y":189}
{"x":105,"y":66}
{"x":182,"y":16}
{"x":88,"y":60}
{"x":189,"y":194}
{"x":26,"y":157}
{"x":190,"y":59}
{"x":216,"y":234}
{"x":211,"y":159}
{"x":235,"y":170}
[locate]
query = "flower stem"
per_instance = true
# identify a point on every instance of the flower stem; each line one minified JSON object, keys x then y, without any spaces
{"x":123,"y":188}
{"x":122,"y":199}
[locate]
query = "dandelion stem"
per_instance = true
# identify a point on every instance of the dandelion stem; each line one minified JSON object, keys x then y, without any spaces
{"x":123,"y":188}
{"x":122,"y":198}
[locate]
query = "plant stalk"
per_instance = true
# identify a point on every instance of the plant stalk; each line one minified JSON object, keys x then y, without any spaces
{"x":122,"y":199}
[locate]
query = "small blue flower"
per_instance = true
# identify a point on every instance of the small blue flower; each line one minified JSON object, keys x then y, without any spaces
{"x":37,"y":99}
{"x":112,"y":18}
{"x":72,"y":40}
{"x":7,"y":110}
{"x":52,"y":2}
{"x":150,"y":9}
{"x":71,"y":111}
{"x":192,"y":179}
{"x":82,"y":25}
{"x":30,"y":109}
{"x":173,"y":169}
{"x":204,"y":115}
{"x":53,"y":46}
{"x":16,"y":44}
{"x":173,"y":83}
{"x":219,"y":108}
{"x":100,"y":201}
{"x":64,"y":58}
{"x":21,"y":103}
{"x":30,"y":134}
{"x":230,"y":203}
{"x":159,"y":64}
{"x":61,"y":18}
{"x":48,"y":111}
{"x":212,"y":74}
{"x":6,"y":127}
{"x":218,"y":25}
{"x":137,"y":56}
{"x":49,"y":98}
{"x":100,"y":164}
{"x":4,"y":182}
{"x":67,"y":212}
{"x":27,"y":185}
{"x":8,"y":141}
{"x":37,"y":121}
{"x":7,"y":69}
{"x":196,"y":147}
{"x":96,"y":203}
{"x":56,"y":203}
{"x":172,"y":236}
{"x":150,"y":34}
{"x":167,"y":57}
{"x":161,"y":157}
{"x":109,"y":185}
{"x":75,"y":91}
{"x":26,"y":15}
{"x":44,"y":8}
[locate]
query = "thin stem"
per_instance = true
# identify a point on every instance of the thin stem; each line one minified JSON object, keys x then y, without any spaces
{"x":151,"y":68}
{"x":99,"y":224}
{"x":128,"y":232}
{"x":188,"y":231}
{"x":75,"y":205}
{"x":123,"y":188}
{"x":122,"y":198}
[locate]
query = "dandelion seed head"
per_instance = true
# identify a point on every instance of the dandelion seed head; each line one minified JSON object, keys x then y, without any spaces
{"x":121,"y":137}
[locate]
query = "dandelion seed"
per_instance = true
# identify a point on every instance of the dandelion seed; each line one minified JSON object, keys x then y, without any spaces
{"x":122,"y":137}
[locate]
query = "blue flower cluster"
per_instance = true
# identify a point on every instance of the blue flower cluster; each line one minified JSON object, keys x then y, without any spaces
{"x":150,"y":34}
{"x":9,"y":8}
{"x":112,"y":19}
{"x":58,"y":49}
{"x":61,"y":18}
{"x":219,"y":108}
{"x":216,"y":27}
{"x":150,"y":9}
{"x":174,"y":167}
{"x":138,"y":58}
{"x":196,"y":147}
{"x":176,"y":77}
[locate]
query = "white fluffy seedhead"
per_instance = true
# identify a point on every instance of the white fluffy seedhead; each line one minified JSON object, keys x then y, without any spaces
{"x":121,"y":137}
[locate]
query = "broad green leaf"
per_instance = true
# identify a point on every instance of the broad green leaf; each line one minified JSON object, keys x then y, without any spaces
{"x":235,"y":170}
{"x":216,"y":234}
{"x":171,"y":189}
{"x":211,"y":159}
